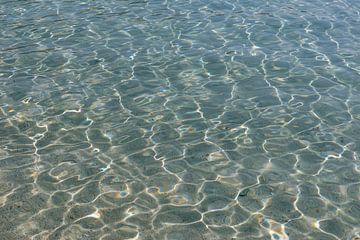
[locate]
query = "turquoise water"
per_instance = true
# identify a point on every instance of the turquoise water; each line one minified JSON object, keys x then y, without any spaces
{"x":180,"y":120}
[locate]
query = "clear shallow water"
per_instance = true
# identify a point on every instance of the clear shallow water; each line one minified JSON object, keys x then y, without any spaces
{"x":180,"y":120}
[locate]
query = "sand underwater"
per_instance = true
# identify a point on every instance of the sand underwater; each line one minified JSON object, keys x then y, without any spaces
{"x":180,"y":120}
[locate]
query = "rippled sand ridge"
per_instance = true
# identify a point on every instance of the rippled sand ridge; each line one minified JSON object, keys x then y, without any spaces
{"x":180,"y":120}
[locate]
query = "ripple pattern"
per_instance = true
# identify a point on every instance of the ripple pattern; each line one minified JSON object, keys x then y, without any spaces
{"x":195,"y":119}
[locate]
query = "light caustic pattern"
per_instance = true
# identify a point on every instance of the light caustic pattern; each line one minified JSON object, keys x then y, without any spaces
{"x":180,"y":119}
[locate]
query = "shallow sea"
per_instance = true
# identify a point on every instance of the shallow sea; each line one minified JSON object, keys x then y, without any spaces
{"x":192,"y":120}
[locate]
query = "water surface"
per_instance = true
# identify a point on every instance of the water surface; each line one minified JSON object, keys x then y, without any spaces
{"x":180,"y":119}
